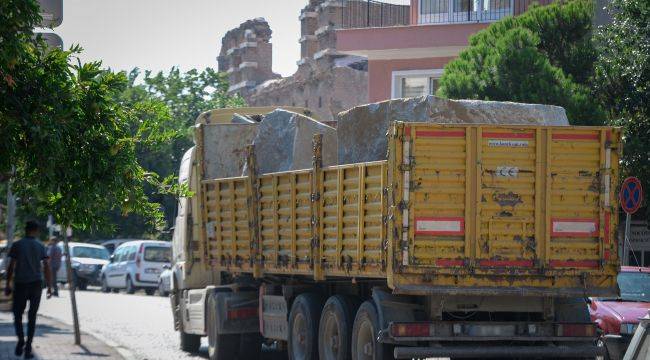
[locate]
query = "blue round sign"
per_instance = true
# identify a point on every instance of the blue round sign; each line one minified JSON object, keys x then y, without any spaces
{"x":631,"y":195}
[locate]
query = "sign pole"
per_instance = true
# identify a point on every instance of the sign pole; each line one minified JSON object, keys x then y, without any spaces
{"x":628,"y":220}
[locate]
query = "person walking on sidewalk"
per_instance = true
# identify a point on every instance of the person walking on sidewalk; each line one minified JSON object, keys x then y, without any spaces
{"x":54,"y":253}
{"x":27,"y":255}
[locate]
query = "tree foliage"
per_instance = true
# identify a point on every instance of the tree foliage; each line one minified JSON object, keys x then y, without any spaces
{"x":67,"y":145}
{"x":174,"y":99}
{"x":543,"y":56}
{"x":623,"y":81}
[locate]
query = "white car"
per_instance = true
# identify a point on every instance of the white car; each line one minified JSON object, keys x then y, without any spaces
{"x":136,"y":265}
{"x":165,"y":281}
{"x":87,"y":262}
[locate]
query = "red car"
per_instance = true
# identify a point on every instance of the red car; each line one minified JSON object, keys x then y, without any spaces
{"x":619,"y":317}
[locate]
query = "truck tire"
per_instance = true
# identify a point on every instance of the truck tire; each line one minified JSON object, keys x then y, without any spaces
{"x":220,"y":346}
{"x":189,"y":342}
{"x":250,"y":347}
{"x":303,"y":327}
{"x":364,"y":335}
{"x":335,"y":328}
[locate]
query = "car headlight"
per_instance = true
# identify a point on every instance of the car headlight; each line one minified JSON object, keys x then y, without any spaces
{"x":628,"y":329}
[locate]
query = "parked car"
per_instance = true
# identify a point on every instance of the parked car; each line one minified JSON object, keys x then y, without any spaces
{"x":165,"y":281}
{"x":136,"y":265}
{"x":111,"y":245}
{"x":619,"y":317}
{"x":87,"y":261}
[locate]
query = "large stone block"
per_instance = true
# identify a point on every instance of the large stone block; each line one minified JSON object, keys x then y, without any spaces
{"x":224,"y":149}
{"x":362,"y":129}
{"x":284,"y":142}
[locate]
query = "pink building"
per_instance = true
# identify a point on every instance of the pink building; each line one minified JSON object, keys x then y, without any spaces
{"x":406,"y":61}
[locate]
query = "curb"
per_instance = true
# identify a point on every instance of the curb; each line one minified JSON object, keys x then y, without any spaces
{"x":123,"y":351}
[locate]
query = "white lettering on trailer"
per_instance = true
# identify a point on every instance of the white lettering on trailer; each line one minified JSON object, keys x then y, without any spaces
{"x":209,"y":229}
{"x":569,"y":227}
{"x":508,"y":143}
{"x":507,"y":171}
{"x":438,"y":226}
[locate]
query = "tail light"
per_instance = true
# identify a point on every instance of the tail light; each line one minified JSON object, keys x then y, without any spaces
{"x":138,"y":257}
{"x":242,"y":313}
{"x":411,"y":330}
{"x":575,"y":330}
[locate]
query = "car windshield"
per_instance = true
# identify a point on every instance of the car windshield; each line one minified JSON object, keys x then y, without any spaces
{"x":635,"y":286}
{"x":158,"y":254}
{"x":90,"y":252}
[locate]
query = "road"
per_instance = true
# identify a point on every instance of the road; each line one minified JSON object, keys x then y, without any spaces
{"x":141,"y":324}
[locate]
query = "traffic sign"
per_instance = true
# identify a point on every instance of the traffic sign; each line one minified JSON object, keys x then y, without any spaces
{"x":631,"y":195}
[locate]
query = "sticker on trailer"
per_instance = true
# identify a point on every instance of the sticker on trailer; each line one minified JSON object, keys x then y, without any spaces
{"x":440,"y":226}
{"x":210,"y":229}
{"x":507,"y":171}
{"x":574,"y":227}
{"x":508,"y":143}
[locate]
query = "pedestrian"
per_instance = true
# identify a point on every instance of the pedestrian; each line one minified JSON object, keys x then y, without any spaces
{"x":54,"y":253}
{"x":27,"y":255}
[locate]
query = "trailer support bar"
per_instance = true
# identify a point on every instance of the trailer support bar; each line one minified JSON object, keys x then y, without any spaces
{"x":484,"y":352}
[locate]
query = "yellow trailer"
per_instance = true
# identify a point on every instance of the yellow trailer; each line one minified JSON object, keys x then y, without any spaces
{"x":467,"y":234}
{"x":494,"y":209}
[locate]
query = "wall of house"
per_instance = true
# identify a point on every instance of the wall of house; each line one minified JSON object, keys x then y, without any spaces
{"x":381,"y":73}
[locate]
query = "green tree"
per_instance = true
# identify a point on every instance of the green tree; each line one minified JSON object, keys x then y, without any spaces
{"x":543,"y":56}
{"x":67,"y":145}
{"x":172,"y":100}
{"x":623,"y":82}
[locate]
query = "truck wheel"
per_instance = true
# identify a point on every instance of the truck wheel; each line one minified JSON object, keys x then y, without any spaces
{"x":335,"y":328}
{"x":189,"y":342}
{"x":250,"y":347}
{"x":303,"y":327}
{"x":364,"y":335}
{"x":130,"y":289}
{"x":220,"y":346}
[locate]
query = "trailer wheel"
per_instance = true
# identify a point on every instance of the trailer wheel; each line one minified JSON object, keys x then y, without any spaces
{"x":335,"y":328}
{"x":189,"y":342}
{"x":250,"y":346}
{"x":303,"y":327}
{"x":220,"y":346}
{"x":364,"y":335}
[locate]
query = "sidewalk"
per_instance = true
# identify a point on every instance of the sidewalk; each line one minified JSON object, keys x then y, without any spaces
{"x":53,"y":341}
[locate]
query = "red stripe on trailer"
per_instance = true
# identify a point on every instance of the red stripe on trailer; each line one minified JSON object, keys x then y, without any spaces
{"x":506,"y":263}
{"x":440,"y":225}
{"x":574,"y":228}
{"x":407,"y":131}
{"x":590,"y":264}
{"x":440,"y":133}
{"x":607,"y":254}
{"x":499,"y":135}
{"x":450,"y":262}
{"x":576,"y":137}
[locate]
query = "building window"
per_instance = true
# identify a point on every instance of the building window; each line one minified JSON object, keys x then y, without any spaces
{"x":453,"y":11}
{"x":635,"y":259}
{"x":413,"y":83}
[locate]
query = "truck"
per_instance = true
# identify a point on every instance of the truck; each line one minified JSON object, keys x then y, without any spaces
{"x":467,"y":241}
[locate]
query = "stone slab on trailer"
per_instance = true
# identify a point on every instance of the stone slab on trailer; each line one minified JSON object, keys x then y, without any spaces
{"x":362,"y":129}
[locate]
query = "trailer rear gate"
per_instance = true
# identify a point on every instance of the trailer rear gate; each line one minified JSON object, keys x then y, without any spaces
{"x":455,"y":207}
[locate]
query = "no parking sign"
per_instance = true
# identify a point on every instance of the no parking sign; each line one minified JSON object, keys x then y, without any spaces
{"x":631,"y":195}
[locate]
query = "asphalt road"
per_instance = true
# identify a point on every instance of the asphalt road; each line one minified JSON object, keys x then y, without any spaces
{"x":138,"y":324}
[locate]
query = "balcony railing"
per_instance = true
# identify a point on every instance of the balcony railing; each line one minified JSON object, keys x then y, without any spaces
{"x":460,"y":11}
{"x":371,"y":13}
